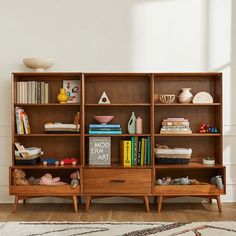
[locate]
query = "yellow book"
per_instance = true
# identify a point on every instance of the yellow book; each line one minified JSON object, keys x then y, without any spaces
{"x":125,"y":152}
{"x":142,"y":151}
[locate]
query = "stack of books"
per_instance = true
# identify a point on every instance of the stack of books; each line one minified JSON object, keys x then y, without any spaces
{"x":135,"y":152}
{"x":32,"y":92}
{"x":22,"y":121}
{"x":175,"y":126}
{"x":105,"y":129}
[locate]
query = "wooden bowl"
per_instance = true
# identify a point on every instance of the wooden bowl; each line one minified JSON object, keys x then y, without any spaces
{"x":167,"y":98}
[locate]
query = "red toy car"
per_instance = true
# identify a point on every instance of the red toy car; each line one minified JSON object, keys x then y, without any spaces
{"x":69,"y":161}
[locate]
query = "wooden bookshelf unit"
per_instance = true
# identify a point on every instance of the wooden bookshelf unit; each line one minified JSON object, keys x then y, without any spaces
{"x":128,"y":92}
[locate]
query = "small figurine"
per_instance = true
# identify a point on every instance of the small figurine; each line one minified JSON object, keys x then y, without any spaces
{"x":69,"y":161}
{"x":50,"y":161}
{"x":208,"y":129}
{"x":19,"y":177}
{"x":217,"y":180}
{"x":75,"y":179}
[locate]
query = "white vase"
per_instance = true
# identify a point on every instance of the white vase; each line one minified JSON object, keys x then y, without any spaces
{"x":185,"y":96}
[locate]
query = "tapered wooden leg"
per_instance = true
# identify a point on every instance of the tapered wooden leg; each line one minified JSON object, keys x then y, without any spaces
{"x":219,"y":203}
{"x":160,"y":199}
{"x":146,"y":202}
{"x":75,"y":203}
{"x":15,"y":204}
{"x":88,"y":200}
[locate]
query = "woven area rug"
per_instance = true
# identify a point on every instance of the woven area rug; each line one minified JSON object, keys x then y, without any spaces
{"x":115,"y":228}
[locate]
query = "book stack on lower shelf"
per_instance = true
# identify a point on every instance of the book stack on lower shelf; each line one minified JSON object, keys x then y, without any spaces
{"x":135,"y":152}
{"x":105,"y":129}
{"x":175,"y":126}
{"x":22,"y":121}
{"x":34,"y":92}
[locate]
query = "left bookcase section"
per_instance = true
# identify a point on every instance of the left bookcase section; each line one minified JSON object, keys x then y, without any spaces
{"x":50,"y":134}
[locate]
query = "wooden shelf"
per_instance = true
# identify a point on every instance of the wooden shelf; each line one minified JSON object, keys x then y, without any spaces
{"x":118,"y":166}
{"x":187,"y":104}
{"x":119,"y":135}
{"x":47,"y":135}
{"x":117,"y":105}
{"x":47,"y":167}
{"x":188,"y":135}
{"x":191,"y":165}
{"x":45,"y":104}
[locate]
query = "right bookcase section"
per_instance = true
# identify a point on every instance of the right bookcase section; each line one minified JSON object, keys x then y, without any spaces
{"x":202,"y":144}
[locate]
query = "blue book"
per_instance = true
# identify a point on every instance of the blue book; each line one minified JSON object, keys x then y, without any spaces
{"x":105,"y":132}
{"x":104,"y":126}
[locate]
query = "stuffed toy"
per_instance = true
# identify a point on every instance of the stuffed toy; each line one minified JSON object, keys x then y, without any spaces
{"x":217,"y":180}
{"x":47,"y":179}
{"x":19,"y":177}
{"x":33,"y":181}
{"x":179,"y":181}
{"x":75,"y":179}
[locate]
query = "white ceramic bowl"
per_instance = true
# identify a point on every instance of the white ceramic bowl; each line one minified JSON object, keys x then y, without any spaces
{"x":38,"y":64}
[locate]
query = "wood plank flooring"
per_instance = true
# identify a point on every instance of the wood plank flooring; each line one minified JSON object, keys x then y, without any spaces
{"x":119,"y":212}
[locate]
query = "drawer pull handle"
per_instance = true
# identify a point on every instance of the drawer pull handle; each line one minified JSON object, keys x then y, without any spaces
{"x":117,"y":181}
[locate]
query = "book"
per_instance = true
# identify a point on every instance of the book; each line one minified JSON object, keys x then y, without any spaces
{"x":42,"y":94}
{"x":28,"y":92}
{"x":132,"y":150}
{"x":104,"y":126}
{"x":72,"y":88}
{"x":142,"y":151}
{"x":100,"y":151}
{"x":135,"y":150}
{"x":105,"y":129}
{"x":19,"y":120}
{"x":26,"y":123}
{"x":46,"y":93}
{"x":139,"y":152}
{"x":105,"y":132}
{"x":18,"y":92}
{"x":125,"y":152}
{"x":145,"y":152}
{"x":148,"y":151}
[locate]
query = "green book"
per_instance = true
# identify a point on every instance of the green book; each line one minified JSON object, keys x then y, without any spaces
{"x":145,"y":151}
{"x":132,"y":151}
{"x":135,"y":151}
{"x":148,"y":151}
{"x":142,"y":151}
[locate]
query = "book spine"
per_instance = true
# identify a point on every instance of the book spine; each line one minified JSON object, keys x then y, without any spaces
{"x":42,"y":94}
{"x":105,"y":132}
{"x":21,"y":92}
{"x":145,"y":152}
{"x":17,"y":92}
{"x":32,"y":91}
{"x":17,"y":115}
{"x":105,"y":129}
{"x":25,"y":92}
{"x":28,"y":92}
{"x":128,"y":150}
{"x":132,"y":151}
{"x":38,"y":92}
{"x":46,"y":91}
{"x":26,"y":123}
{"x":135,"y":150}
{"x":139,"y":152}
{"x":104,"y":126}
{"x":142,"y":152}
{"x":148,"y":151}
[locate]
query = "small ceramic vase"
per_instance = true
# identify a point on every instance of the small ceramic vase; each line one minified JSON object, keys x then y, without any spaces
{"x":139,"y":128}
{"x":62,"y":96}
{"x":185,"y":96}
{"x":132,"y":124}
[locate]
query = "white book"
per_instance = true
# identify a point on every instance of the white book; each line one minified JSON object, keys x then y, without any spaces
{"x":46,"y":93}
{"x":25,"y":92}
{"x":21,"y":92}
{"x":17,"y":92}
{"x":42,"y":94}
{"x":32,"y":90}
{"x":28,"y":92}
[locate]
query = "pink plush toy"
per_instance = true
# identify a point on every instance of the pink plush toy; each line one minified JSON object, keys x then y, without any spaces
{"x":47,"y":179}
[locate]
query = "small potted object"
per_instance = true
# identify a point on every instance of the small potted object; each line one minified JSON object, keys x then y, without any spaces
{"x":69,"y":161}
{"x":50,"y":161}
{"x":208,"y":161}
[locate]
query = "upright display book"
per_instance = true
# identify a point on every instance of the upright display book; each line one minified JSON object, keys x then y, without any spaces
{"x":72,"y":88}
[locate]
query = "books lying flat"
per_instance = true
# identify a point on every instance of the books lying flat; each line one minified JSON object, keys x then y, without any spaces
{"x":60,"y":128}
{"x":104,"y":126}
{"x":105,"y":132}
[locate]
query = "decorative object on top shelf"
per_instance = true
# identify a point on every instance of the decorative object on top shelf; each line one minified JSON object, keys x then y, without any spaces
{"x":217,"y":180}
{"x":166,"y":155}
{"x":175,"y":126}
{"x":72,"y":88}
{"x":69,"y":161}
{"x":208,"y":161}
{"x":38,"y":64}
{"x":203,"y":97}
{"x":62,"y":96}
{"x":18,"y":177}
{"x":105,"y":129}
{"x":139,"y":125}
{"x":185,"y":96}
{"x":104,"y":99}
{"x":55,"y":128}
{"x":27,"y":156}
{"x":75,"y":179}
{"x":132,"y":124}
{"x":179,"y":181}
{"x":103,"y":120}
{"x":167,"y":98}
{"x":50,"y":161}
{"x":100,"y":151}
{"x":22,"y":121}
{"x":205,"y":128}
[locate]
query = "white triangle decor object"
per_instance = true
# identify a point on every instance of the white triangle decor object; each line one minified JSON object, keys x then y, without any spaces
{"x":104,"y":99}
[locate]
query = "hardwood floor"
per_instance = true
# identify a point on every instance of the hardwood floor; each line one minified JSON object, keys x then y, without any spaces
{"x":118,"y":212}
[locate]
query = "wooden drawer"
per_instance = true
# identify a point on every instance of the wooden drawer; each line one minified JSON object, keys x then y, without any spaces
{"x":190,"y":190}
{"x":117,"y":181}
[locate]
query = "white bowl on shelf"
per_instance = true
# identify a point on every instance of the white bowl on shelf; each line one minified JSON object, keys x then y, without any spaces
{"x":38,"y":64}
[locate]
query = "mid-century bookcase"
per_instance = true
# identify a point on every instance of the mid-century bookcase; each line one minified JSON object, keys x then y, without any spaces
{"x":128,"y":92}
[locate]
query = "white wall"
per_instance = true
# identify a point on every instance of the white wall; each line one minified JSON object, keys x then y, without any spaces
{"x":120,"y":36}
